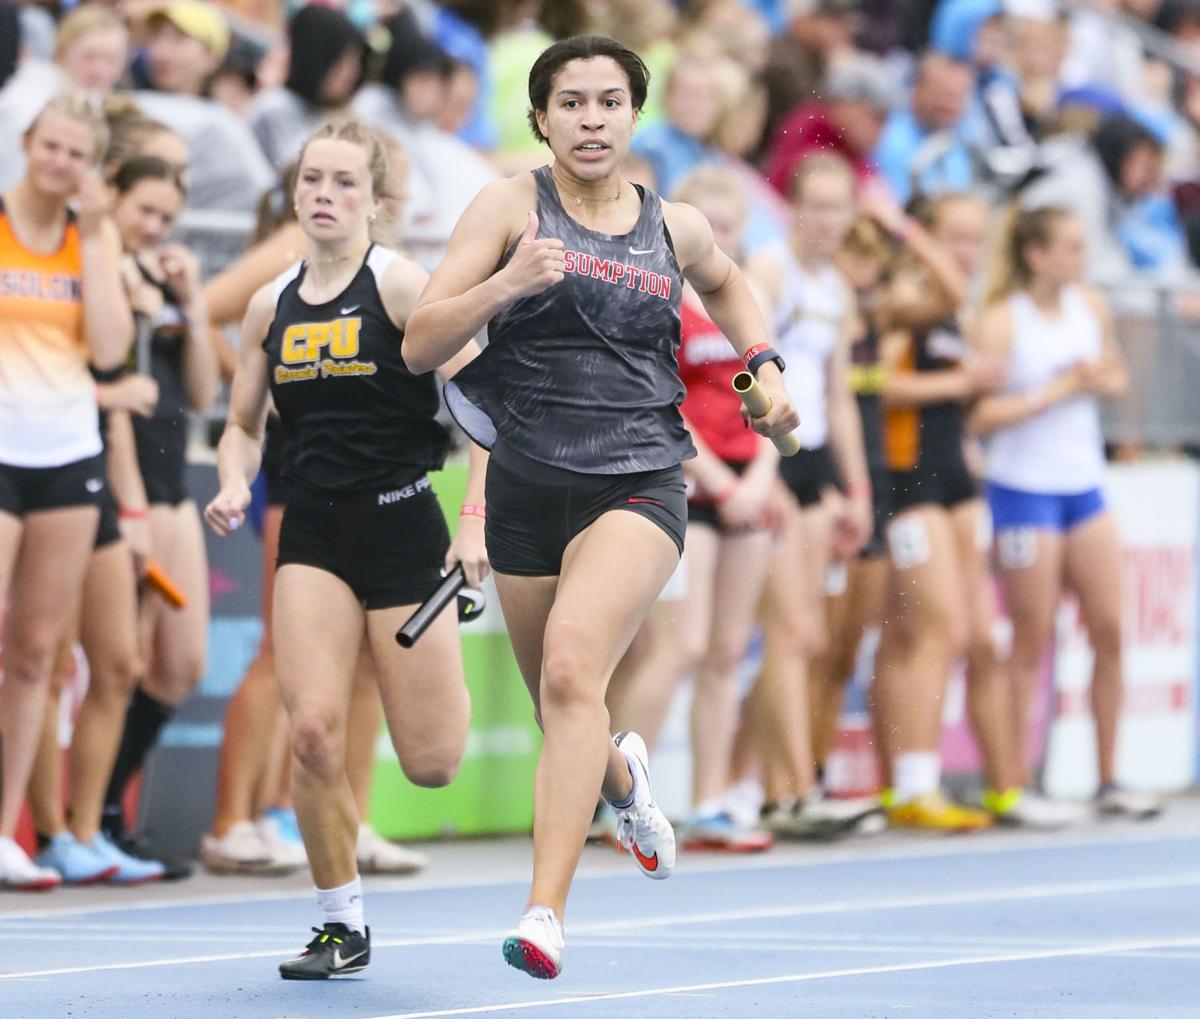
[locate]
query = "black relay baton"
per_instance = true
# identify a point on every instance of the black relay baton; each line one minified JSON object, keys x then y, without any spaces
{"x":470,"y":605}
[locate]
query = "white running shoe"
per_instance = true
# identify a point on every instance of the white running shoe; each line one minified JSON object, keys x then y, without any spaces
{"x":744,"y":802}
{"x":376,"y":855}
{"x":1117,"y":802}
{"x":536,"y":946}
{"x":1037,"y":812}
{"x":820,"y":818}
{"x":642,"y":827}
{"x":20,"y":873}
{"x":240,"y":850}
{"x":287,"y":855}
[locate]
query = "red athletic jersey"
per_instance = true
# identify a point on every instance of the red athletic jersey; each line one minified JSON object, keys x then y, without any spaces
{"x":707,"y":365}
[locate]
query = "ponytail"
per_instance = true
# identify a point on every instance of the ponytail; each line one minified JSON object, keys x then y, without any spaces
{"x":1021,"y":228}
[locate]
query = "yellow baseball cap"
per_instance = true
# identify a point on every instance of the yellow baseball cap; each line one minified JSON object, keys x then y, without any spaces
{"x":200,"y":20}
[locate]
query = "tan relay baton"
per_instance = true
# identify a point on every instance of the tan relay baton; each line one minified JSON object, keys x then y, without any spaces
{"x":759,"y":405}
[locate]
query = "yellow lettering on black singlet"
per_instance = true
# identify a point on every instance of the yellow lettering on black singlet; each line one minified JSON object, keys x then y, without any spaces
{"x":305,"y":342}
{"x":343,"y":368}
{"x":868,"y":379}
{"x":304,"y":374}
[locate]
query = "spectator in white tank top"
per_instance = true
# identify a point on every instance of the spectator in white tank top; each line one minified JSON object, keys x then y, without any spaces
{"x":1046,"y":468}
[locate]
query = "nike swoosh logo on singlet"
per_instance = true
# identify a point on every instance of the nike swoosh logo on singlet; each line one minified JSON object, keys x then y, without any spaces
{"x":641,"y":251}
{"x":347,"y":311}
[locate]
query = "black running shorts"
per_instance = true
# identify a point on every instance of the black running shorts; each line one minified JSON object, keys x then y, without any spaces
{"x":387,"y":546}
{"x":947,"y":485}
{"x":32,"y":489}
{"x":808,"y":473}
{"x":534,"y":510}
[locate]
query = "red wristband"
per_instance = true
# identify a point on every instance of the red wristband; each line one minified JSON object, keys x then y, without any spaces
{"x":754,"y":351}
{"x":471,"y":510}
{"x":128,"y":513}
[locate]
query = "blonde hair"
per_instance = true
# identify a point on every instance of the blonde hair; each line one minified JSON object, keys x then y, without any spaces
{"x":931,"y":211}
{"x":817,"y":164}
{"x":710,"y":180}
{"x":78,"y":106}
{"x":867,"y":239}
{"x":1009,"y":271}
{"x":351,"y":129}
{"x":84,"y":20}
{"x":128,"y":129}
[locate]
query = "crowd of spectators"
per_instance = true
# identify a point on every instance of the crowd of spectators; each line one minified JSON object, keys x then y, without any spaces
{"x":1076,"y":103}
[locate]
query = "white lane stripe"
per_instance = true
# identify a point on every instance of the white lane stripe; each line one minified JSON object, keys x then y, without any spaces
{"x":1190,"y":879}
{"x":779,"y":947}
{"x":1107,"y":886}
{"x":1103,"y":948}
{"x":1001,"y":842}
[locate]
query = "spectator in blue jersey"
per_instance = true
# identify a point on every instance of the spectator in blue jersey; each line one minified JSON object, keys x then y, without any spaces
{"x":922,"y":148}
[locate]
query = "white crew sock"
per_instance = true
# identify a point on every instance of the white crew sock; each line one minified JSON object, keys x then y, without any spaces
{"x":916,"y":773}
{"x":344,"y":905}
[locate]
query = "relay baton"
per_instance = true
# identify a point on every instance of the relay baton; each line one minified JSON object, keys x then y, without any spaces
{"x":156,"y":578}
{"x":470,"y":605}
{"x":759,"y":405}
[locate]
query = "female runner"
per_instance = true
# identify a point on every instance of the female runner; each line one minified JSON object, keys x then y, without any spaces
{"x":148,"y":197}
{"x":363,"y":540}
{"x":61,"y":307}
{"x":579,"y":277}
{"x":854,"y":607}
{"x":1054,"y":337}
{"x":815,"y":316}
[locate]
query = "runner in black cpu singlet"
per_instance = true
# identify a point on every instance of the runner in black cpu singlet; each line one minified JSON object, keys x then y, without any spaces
{"x":578,"y":275}
{"x":363,"y":539}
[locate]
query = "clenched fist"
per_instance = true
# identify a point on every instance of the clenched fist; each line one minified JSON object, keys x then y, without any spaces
{"x":536,"y":265}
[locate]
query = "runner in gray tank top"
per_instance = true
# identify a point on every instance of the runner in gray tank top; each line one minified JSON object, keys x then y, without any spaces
{"x":577,"y":274}
{"x":611,"y":327}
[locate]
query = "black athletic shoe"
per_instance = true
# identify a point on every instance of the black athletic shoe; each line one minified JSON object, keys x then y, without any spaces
{"x":335,"y":951}
{"x":173,"y":869}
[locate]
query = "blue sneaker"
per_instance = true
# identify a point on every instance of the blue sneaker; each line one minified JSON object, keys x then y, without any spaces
{"x":79,"y":864}
{"x":720,"y":833}
{"x":286,"y":824}
{"x":129,"y":870}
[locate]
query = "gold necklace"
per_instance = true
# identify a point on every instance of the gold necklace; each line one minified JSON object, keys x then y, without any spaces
{"x":331,"y":261}
{"x":338,"y":260}
{"x":580,"y":199}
